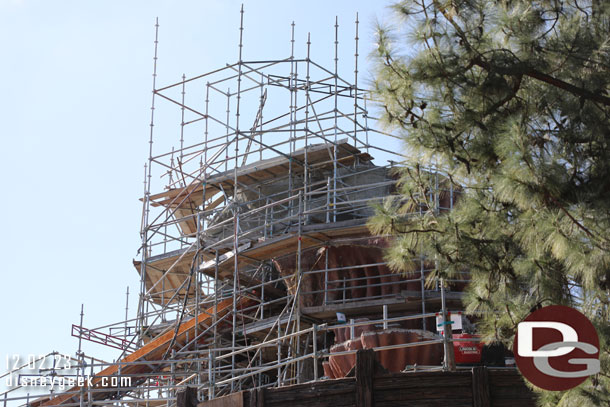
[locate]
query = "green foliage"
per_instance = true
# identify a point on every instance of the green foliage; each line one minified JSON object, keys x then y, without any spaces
{"x":509,"y":101}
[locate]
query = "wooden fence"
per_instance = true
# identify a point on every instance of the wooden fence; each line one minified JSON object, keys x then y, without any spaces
{"x":371,"y":386}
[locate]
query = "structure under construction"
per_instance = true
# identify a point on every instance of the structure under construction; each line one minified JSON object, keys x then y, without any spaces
{"x":257,"y":268}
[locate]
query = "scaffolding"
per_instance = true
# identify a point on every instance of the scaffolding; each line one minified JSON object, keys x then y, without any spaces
{"x":254,"y":238}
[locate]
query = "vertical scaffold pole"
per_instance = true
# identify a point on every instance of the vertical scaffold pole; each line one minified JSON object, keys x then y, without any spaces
{"x":228,"y":128}
{"x":197,"y":288}
{"x":437,"y":203}
{"x":210,"y":374}
{"x":356,"y":88}
{"x":326,"y":249}
{"x":328,"y":200}
{"x":315,"y":351}
{"x":366,"y":124}
{"x":305,"y":166}
{"x":79,"y":354}
{"x":336,"y":112}
{"x":300,"y":276}
{"x":422,"y":276}
{"x":385,"y":316}
{"x":449,"y":360}
{"x":260,"y":126}
{"x":212,"y":362}
{"x":205,"y":151}
{"x":236,"y":208}
{"x":450,"y":194}
{"x":292,"y":107}
{"x":183,"y":93}
{"x":144,"y":231}
{"x":172,"y":380}
{"x":126,"y":311}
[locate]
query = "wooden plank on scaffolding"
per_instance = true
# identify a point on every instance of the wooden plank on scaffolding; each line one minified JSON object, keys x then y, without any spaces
{"x":316,"y":154}
{"x":264,"y":170}
{"x":173,"y":197}
{"x":209,"y":268}
{"x":186,"y":213}
{"x":156,"y":268}
{"x":215,"y":203}
{"x":187,"y":220}
{"x":225,"y":257}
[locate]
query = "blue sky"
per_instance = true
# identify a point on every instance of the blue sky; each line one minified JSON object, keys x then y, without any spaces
{"x":75,"y":93}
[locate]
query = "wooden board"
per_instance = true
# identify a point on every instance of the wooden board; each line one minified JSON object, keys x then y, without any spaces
{"x":269,"y":169}
{"x":232,"y":400}
{"x":156,"y":268}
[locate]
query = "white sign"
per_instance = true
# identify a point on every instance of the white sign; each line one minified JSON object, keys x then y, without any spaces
{"x":454,"y":317}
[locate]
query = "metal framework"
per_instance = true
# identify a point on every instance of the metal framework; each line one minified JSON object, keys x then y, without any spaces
{"x":254,"y":235}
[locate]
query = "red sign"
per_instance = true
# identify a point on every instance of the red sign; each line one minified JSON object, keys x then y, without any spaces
{"x":467,"y":352}
{"x":556,"y":348}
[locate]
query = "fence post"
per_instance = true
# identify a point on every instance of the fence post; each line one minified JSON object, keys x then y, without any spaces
{"x":257,"y":397}
{"x":365,"y":366}
{"x":187,"y":397}
{"x":480,"y":387}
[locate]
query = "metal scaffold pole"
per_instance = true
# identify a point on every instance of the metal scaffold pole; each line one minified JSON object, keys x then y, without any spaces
{"x":336,"y":117}
{"x":257,"y":266}
{"x":235,"y":202}
{"x":449,"y":361}
{"x":356,"y":86}
{"x":146,"y":203}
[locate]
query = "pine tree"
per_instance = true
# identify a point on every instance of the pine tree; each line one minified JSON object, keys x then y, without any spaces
{"x":509,"y":101}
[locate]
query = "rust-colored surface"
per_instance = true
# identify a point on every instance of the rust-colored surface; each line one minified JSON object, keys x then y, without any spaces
{"x":340,"y":365}
{"x":360,"y":282}
{"x":394,"y":360}
{"x":343,"y":334}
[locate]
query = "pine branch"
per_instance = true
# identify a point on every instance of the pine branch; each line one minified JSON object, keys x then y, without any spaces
{"x":541,"y":76}
{"x":528,"y":71}
{"x":572,"y":218}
